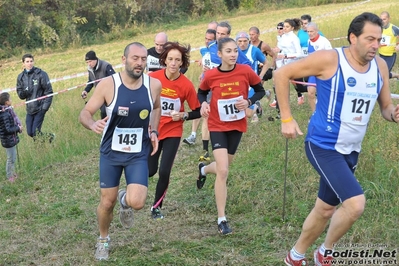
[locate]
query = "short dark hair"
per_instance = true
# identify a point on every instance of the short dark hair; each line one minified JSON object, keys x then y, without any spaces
{"x":27,"y":56}
{"x":211,"y":31}
{"x":4,"y":97}
{"x":225,"y":24}
{"x":306,"y":17}
{"x":185,"y":53}
{"x":256,"y":29}
{"x":126,"y":51}
{"x":357,"y":25}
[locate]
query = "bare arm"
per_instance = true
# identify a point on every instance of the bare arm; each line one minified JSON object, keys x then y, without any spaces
{"x":327,"y":63}
{"x":266,"y":48}
{"x":389,"y":111}
{"x":156,"y":88}
{"x":99,"y":97}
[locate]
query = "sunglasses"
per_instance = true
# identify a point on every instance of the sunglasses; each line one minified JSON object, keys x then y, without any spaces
{"x":279,"y":28}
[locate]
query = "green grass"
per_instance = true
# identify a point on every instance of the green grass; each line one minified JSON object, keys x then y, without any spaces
{"x":47,"y":217}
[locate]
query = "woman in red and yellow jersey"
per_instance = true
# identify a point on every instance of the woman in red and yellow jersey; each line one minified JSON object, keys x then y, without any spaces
{"x":229,"y":84}
{"x":176,"y":89}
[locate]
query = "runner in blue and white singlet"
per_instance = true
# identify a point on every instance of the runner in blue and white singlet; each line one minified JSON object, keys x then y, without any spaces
{"x":344,"y":105}
{"x":349,"y":81}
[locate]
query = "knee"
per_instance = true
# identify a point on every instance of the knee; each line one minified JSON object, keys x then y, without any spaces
{"x":354,"y":207}
{"x":107,"y":203}
{"x":222,"y":172}
{"x":135,"y":203}
{"x":326,"y":212}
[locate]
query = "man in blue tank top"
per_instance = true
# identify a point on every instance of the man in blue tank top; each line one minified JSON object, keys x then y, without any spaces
{"x":132,"y":101}
{"x":349,"y":81}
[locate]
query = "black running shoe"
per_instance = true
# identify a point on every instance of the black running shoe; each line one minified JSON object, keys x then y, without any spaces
{"x":156,"y":213}
{"x":201,"y":178}
{"x":224,"y":228}
{"x":259,"y":110}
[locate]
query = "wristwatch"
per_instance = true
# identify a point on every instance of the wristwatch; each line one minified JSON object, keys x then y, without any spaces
{"x":155,"y":132}
{"x":185,"y":116}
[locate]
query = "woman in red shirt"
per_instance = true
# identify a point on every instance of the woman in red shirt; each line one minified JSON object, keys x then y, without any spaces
{"x":176,"y":89}
{"x":229,"y":84}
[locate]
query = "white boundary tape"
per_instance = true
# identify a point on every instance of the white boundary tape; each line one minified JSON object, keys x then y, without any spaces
{"x":63,"y":78}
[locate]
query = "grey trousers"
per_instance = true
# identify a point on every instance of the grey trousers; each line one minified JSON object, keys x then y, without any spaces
{"x":11,"y":158}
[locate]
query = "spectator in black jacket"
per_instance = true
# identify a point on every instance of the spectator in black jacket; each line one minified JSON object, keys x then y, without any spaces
{"x":33,"y":84}
{"x":98,"y":69}
{"x":10,"y":126}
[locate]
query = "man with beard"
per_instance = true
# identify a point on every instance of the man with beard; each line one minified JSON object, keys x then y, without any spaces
{"x":133,"y":110}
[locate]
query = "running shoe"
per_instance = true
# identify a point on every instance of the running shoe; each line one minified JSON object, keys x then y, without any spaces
{"x":268,"y":94}
{"x":290,"y":262}
{"x":51,"y":137}
{"x":259,"y":110}
{"x":320,"y":260}
{"x":301,"y":100}
{"x":11,"y":179}
{"x":224,"y":228}
{"x":125,"y":213}
{"x":190,"y":140}
{"x":156,"y":213}
{"x":102,"y":249}
{"x":201,"y":178}
{"x":273,"y":104}
{"x":205,"y":157}
{"x":254,"y":119}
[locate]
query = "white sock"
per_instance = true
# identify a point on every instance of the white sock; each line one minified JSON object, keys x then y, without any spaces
{"x":221,"y":219}
{"x":322,"y":249}
{"x":107,"y":237}
{"x":295,"y":255}
{"x":194,"y":134}
{"x":203,"y":171}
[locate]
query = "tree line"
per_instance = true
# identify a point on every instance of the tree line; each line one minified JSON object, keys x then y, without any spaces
{"x":52,"y":24}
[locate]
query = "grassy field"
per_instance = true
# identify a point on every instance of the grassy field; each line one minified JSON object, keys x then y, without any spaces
{"x":47,"y":217}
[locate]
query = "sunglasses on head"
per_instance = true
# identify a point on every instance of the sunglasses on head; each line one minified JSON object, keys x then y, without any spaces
{"x":279,"y":28}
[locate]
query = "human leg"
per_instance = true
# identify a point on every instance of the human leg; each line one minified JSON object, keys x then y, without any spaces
{"x":104,"y":219}
{"x":38,"y":119}
{"x":205,"y":140}
{"x":170,"y":147}
{"x":10,"y":164}
{"x":29,"y":125}
{"x":190,"y":140}
{"x":337,"y":184}
{"x":312,"y":98}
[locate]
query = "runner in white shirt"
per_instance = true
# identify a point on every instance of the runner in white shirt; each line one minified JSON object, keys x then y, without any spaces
{"x":316,"y":42}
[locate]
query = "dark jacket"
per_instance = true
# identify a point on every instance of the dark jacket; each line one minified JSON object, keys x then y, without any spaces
{"x":101,"y":70}
{"x":31,"y":85}
{"x":8,"y":128}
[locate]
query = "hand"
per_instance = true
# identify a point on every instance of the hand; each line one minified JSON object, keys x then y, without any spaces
{"x":20,"y":128}
{"x":268,"y":75}
{"x":395,"y":114}
{"x":276,"y":50}
{"x":205,"y":68}
{"x":99,"y":125}
{"x":84,"y":94}
{"x":290,"y":130}
{"x":205,"y":109}
{"x":397,"y":48}
{"x":154,"y":143}
{"x":175,"y":115}
{"x":242,"y":104}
